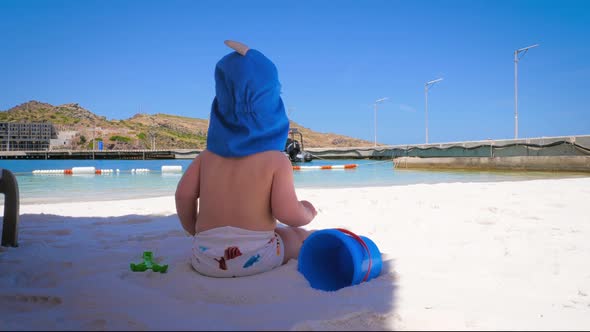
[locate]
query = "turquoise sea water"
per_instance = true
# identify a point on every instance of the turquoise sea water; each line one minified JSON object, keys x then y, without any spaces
{"x":35,"y":188}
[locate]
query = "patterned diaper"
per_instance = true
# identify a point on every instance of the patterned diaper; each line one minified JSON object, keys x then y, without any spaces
{"x":235,"y":252}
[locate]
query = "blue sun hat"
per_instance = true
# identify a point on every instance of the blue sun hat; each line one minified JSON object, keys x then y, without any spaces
{"x":247,"y":115}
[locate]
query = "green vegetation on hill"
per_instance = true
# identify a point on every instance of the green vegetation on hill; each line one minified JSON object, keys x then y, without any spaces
{"x":142,"y":130}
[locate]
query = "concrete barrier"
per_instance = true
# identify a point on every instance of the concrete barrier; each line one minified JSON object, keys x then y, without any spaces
{"x":527,"y":147}
{"x":523,"y":163}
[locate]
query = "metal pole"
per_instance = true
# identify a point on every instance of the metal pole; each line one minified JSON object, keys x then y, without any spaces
{"x":375,"y":124}
{"x":426,"y":109}
{"x":426,"y":86}
{"x":516,"y":94}
{"x":516,"y":59}
{"x":375,"y":107}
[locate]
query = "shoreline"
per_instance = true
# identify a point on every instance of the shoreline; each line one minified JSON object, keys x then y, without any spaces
{"x":457,"y":256}
{"x":499,"y":176}
{"x":136,"y":203}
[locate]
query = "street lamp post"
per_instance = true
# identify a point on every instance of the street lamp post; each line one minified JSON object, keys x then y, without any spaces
{"x":516,"y":59}
{"x":427,"y":85}
{"x":376,"y":102}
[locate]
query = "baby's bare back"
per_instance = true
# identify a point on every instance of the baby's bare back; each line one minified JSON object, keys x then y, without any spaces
{"x":237,"y":191}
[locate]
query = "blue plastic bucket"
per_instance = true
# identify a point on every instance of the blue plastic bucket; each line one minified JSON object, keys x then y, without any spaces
{"x":331,"y":259}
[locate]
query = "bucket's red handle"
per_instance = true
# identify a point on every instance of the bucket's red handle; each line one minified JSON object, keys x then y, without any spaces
{"x":360,"y":240}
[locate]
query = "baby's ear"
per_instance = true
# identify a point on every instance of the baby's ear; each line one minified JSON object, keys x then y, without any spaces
{"x":237,"y":46}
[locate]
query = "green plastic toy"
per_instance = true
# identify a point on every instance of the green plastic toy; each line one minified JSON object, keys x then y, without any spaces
{"x":147,"y":264}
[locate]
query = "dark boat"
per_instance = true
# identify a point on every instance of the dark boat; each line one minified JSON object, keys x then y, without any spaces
{"x":295,"y":149}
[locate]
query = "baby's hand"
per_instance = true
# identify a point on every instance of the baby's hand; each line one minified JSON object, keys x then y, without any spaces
{"x":310,"y":208}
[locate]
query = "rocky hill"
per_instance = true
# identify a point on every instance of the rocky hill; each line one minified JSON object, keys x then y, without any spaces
{"x":142,"y":131}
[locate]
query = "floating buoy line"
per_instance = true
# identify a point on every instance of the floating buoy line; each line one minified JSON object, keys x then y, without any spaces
{"x":347,"y":166}
{"x":90,"y":170}
{"x":326,"y":167}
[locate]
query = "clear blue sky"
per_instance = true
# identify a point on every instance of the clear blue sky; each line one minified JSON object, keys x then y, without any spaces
{"x":335,"y":58}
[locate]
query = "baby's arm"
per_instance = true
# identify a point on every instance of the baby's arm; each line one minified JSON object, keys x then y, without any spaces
{"x":284,"y":203}
{"x":187,"y":196}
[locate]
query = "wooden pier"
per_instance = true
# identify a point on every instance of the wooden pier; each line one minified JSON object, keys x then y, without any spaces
{"x":102,"y":154}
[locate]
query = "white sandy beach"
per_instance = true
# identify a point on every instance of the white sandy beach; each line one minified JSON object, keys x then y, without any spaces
{"x":457,"y":256}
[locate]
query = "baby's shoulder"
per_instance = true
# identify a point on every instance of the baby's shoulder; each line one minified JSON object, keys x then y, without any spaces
{"x":269,"y":160}
{"x":274,"y":158}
